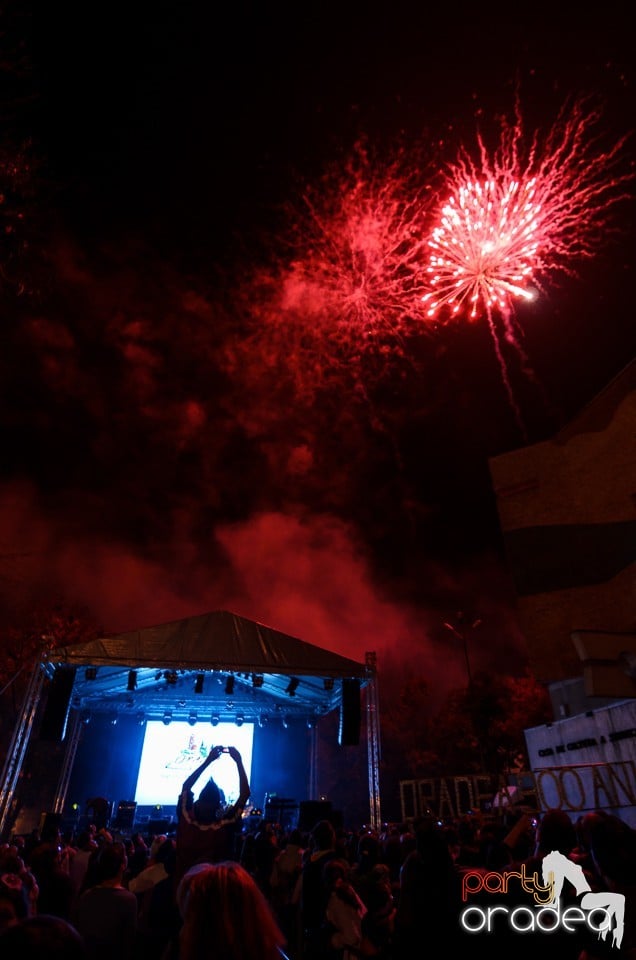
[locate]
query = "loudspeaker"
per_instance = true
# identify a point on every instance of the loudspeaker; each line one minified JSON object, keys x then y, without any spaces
{"x":160,"y":826}
{"x":125,"y":814}
{"x":311,"y":811}
{"x":349,"y":728}
{"x":50,"y":826}
{"x":58,"y":704}
{"x":283,"y":811}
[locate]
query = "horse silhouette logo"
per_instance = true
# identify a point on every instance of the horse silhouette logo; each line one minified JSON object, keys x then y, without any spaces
{"x":556,"y":868}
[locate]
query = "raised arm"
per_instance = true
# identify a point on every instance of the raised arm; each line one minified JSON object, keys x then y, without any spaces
{"x":214,"y":754}
{"x":244,"y":786}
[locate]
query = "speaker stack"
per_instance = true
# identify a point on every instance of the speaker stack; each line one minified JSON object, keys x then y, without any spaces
{"x":125,"y":815}
{"x":349,"y":727}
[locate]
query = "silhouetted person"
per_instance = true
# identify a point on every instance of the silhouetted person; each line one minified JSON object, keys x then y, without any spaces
{"x":612,"y":846}
{"x":106,"y":913}
{"x":207,"y":829}
{"x":43,"y":937}
{"x":56,"y":888}
{"x":313,"y":890}
{"x":429,"y":895}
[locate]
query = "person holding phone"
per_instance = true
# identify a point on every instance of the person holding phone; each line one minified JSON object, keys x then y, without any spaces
{"x":208,"y":829}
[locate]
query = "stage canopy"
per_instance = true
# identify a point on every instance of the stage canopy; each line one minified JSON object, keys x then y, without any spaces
{"x":216,"y":665}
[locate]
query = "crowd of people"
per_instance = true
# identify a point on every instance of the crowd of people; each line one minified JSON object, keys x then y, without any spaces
{"x":222,"y":887}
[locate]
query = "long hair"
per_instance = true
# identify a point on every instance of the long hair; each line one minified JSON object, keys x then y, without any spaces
{"x":227,"y":917}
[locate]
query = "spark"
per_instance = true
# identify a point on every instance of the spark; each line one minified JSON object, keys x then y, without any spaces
{"x":523,"y":212}
{"x":520,"y":215}
{"x":360,"y":263}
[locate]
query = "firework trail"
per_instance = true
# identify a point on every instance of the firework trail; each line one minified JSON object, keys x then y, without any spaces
{"x":518,"y":216}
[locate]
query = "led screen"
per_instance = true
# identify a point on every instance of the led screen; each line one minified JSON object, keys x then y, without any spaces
{"x":171,"y":752}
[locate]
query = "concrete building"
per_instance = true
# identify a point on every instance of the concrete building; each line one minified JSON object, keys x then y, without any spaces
{"x":567,"y":509}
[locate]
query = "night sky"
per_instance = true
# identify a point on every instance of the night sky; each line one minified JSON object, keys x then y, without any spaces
{"x":164,"y":456}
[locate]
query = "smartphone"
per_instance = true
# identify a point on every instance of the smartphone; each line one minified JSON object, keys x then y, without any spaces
{"x":225,"y":750}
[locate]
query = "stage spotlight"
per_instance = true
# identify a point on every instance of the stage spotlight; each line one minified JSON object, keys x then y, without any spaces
{"x":198,"y":683}
{"x":214,"y":720}
{"x":257,"y":680}
{"x":90,"y":673}
{"x":113,"y":721}
{"x":229,"y":686}
{"x":192,"y":719}
{"x":285,"y":722}
{"x":328,"y":683}
{"x":311,"y":723}
{"x":240,"y":720}
{"x":291,"y":687}
{"x":132,"y":680}
{"x":85,"y":718}
{"x":167,"y":717}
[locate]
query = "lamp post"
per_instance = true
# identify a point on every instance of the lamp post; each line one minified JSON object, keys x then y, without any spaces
{"x":461,"y":634}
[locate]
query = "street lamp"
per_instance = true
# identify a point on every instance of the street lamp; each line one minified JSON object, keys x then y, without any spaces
{"x":461,"y":635}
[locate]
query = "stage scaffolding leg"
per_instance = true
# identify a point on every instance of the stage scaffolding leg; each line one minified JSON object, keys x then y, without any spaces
{"x":73,"y":739}
{"x":373,"y":741}
{"x":18,"y":747}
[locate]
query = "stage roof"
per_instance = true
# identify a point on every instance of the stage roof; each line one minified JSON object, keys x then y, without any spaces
{"x":215,"y":665}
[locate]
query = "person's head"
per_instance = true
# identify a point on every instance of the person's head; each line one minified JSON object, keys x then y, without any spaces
{"x":210,"y":803}
{"x":556,"y":831}
{"x":109,"y":862}
{"x":295,"y":838}
{"x":11,"y":861}
{"x":335,"y":871}
{"x":43,"y":936}
{"x":14,"y":904}
{"x":323,"y":836}
{"x":584,"y":826}
{"x":85,"y":840}
{"x":224,"y":906}
{"x":368,"y":851}
{"x":430,"y":843}
{"x":613,"y":850}
{"x":46,"y":860}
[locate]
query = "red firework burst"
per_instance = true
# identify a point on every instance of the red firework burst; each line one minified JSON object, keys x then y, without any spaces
{"x":347,"y":284}
{"x":353,"y":280}
{"x":360,"y":247}
{"x":525,"y":211}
